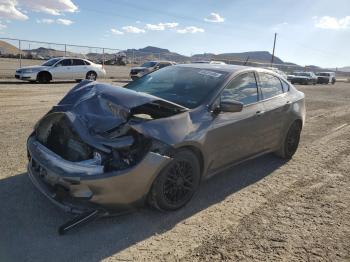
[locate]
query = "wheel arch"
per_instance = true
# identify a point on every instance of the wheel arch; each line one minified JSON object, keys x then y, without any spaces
{"x":198,"y":153}
{"x":44,"y":72}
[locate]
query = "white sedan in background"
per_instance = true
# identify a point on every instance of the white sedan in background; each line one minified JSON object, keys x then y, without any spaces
{"x":61,"y":68}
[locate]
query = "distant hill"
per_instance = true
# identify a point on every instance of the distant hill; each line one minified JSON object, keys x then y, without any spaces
{"x":255,"y":56}
{"x":49,"y":52}
{"x":341,"y":69}
{"x":6,"y":48}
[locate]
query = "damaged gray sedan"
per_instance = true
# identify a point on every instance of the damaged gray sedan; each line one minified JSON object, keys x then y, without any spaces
{"x":108,"y":149}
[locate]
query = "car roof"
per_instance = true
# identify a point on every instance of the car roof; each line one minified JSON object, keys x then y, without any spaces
{"x":69,"y":57}
{"x":224,"y":68}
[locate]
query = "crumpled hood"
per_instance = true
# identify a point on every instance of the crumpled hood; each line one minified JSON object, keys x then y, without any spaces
{"x":94,"y":109}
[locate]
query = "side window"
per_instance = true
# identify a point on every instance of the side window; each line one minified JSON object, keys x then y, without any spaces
{"x":65,"y":62}
{"x":270,"y":85}
{"x":243,"y":89}
{"x":86,"y":62}
{"x":78,"y":62}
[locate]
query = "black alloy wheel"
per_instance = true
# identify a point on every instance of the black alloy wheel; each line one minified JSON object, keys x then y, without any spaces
{"x":291,"y":141}
{"x":177,"y":183}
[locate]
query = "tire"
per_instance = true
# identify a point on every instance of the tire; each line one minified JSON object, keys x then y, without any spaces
{"x":177,"y":182}
{"x":43,"y":77}
{"x":291,"y":141}
{"x":91,"y":75}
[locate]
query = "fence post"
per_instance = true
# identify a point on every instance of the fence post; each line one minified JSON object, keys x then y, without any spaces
{"x":65,"y":50}
{"x":103,"y":57}
{"x":133,"y":57}
{"x":20,"y":53}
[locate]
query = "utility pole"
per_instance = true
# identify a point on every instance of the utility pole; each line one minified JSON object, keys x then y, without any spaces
{"x":273,"y":50}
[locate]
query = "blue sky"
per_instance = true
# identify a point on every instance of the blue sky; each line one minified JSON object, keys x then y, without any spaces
{"x":309,"y":32}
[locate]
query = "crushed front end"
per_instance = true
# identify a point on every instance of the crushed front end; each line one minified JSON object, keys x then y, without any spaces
{"x":88,"y":153}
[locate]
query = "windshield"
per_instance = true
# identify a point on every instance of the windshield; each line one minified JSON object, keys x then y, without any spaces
{"x":185,"y":86}
{"x":149,"y":64}
{"x":51,"y":62}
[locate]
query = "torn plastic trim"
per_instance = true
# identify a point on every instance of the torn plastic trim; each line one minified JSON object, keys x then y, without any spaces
{"x":53,"y":162}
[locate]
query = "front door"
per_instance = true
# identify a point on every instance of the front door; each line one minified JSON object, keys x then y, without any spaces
{"x":62,"y":70}
{"x":236,"y":136}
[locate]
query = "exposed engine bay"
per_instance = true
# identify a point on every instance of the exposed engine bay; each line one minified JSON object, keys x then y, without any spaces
{"x":96,"y":129}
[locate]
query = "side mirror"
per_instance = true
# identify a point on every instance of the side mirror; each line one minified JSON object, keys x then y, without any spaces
{"x":231,"y":106}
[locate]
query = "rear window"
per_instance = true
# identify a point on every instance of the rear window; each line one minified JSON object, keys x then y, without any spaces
{"x":270,"y":85}
{"x":78,"y":62}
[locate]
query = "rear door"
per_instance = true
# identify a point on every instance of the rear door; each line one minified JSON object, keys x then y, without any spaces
{"x":276,"y":104}
{"x":62,"y":70}
{"x":235,"y":136}
{"x":79,"y":69}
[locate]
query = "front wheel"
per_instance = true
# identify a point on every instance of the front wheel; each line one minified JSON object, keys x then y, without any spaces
{"x":91,"y":75}
{"x":291,"y":141}
{"x":176,"y":184}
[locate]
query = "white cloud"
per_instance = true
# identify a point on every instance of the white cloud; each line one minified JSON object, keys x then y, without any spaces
{"x":133,"y":29}
{"x":161,"y":26}
{"x":214,"y":18}
{"x":56,"y":7}
{"x":53,"y":21}
{"x":12,"y":9}
{"x":64,"y":21}
{"x":279,"y":26}
{"x":155,"y":27}
{"x":9,"y":10}
{"x":115,"y":31}
{"x":45,"y":21}
{"x":190,"y":29}
{"x":328,"y":22}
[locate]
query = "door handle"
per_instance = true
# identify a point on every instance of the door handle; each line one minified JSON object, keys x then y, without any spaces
{"x":260,"y":112}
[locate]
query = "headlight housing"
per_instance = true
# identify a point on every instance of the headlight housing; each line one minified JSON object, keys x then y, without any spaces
{"x":28,"y":71}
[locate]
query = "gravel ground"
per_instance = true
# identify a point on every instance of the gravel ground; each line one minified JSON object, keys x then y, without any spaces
{"x":262,"y":210}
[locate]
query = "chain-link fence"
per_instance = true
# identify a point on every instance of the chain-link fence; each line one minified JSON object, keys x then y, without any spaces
{"x":15,"y":53}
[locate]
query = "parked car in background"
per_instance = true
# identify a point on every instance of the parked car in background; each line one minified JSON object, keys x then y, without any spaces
{"x":61,"y":68}
{"x":326,"y":78}
{"x":213,"y":62}
{"x":304,"y":78}
{"x":158,"y":137}
{"x":148,"y":67}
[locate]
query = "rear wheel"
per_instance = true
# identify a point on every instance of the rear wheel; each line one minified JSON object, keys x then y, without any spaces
{"x":91,"y":75}
{"x":175,"y":185}
{"x":291,"y":141}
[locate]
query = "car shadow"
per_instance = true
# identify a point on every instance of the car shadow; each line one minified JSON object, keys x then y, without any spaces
{"x":29,"y":222}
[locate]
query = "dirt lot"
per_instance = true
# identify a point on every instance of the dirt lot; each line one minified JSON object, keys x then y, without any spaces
{"x":262,"y":210}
